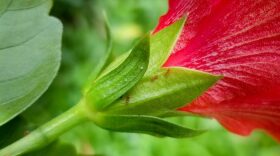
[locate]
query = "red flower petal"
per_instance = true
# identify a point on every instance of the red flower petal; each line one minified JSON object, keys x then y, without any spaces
{"x":239,"y":39}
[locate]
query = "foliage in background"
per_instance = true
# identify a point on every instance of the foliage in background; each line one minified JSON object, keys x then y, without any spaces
{"x":83,"y":46}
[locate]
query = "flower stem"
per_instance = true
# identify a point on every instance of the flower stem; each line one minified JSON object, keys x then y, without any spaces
{"x":47,"y":132}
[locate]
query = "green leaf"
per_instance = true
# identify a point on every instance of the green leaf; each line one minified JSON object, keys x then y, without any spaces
{"x":29,"y":54}
{"x":144,"y":124}
{"x":113,"y":85}
{"x":162,"y":44}
{"x":166,"y":90}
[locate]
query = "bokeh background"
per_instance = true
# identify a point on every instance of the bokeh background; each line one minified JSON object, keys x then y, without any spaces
{"x":84,"y":45}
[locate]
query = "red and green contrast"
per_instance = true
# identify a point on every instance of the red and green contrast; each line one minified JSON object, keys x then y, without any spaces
{"x":239,"y":39}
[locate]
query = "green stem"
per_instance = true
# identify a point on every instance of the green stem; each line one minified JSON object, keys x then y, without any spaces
{"x":48,"y":132}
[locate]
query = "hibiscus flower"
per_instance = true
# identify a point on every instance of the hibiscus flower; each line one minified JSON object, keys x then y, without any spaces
{"x":239,"y":39}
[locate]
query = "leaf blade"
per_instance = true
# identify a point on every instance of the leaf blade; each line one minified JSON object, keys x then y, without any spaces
{"x":29,"y":56}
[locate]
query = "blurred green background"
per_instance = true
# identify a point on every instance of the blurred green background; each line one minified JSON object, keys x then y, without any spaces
{"x":84,"y":46}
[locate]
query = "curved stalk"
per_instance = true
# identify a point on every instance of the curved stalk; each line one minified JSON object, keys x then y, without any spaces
{"x":47,"y":132}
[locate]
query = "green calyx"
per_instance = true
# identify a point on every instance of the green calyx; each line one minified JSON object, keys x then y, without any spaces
{"x":134,"y":91}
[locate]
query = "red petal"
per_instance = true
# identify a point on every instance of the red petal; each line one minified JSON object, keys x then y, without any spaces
{"x":239,"y":39}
